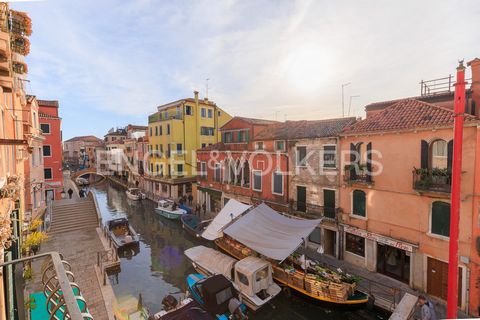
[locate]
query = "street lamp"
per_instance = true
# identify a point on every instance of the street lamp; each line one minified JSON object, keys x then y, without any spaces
{"x":343,"y":98}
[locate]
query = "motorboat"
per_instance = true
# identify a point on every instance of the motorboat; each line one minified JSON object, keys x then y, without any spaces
{"x":185,"y":309}
{"x":82,"y":181}
{"x":135,"y":194}
{"x":251,"y":276}
{"x":169,"y":209}
{"x":193,"y":225}
{"x":217,"y":295}
{"x":122,"y":233}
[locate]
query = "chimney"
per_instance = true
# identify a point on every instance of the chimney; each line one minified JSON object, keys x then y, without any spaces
{"x":195,"y":94}
{"x":475,"y":87}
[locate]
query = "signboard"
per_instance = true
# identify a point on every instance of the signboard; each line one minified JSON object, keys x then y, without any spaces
{"x":379,"y":238}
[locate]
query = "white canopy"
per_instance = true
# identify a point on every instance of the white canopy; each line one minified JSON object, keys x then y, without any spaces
{"x":230,"y":211}
{"x":211,"y":260}
{"x":270,"y":233}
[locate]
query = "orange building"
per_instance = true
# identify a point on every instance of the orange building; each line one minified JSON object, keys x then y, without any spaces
{"x":396,"y":193}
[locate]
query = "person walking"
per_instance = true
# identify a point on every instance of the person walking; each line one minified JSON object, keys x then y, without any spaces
{"x":204,"y":207}
{"x":190,"y":199}
{"x":70,"y":193}
{"x":427,"y":310}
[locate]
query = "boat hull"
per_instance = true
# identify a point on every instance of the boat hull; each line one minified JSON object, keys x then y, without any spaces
{"x":133,"y":196}
{"x":168,"y":214}
{"x":192,"y":228}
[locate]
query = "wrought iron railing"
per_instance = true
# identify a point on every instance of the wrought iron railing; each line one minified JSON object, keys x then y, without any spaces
{"x":357,"y":174}
{"x":437,"y":180}
{"x":313,"y":211}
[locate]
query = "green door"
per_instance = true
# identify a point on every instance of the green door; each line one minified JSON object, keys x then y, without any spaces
{"x":329,"y":203}
{"x":301,"y":199}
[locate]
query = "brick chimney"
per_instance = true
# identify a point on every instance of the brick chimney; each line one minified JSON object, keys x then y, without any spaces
{"x":475,"y":87}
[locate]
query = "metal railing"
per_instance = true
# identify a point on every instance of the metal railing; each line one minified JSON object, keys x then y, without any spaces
{"x":436,"y":86}
{"x":64,"y":297}
{"x":314,"y":211}
{"x":357,"y":175}
{"x":436,"y":180}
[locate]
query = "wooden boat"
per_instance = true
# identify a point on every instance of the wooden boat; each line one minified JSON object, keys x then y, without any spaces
{"x":122,"y":233}
{"x":169,"y":209}
{"x":193,"y":225}
{"x":317,"y":283}
{"x":216,"y":295}
{"x":183,"y":309}
{"x":134,"y":194}
{"x":251,"y":276}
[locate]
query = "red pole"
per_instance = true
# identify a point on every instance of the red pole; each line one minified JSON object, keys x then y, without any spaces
{"x":459,"y":108}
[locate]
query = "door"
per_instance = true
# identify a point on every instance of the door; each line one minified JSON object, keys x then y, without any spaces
{"x":329,"y":203}
{"x":301,"y":199}
{"x":329,"y":243}
{"x":49,"y":194}
{"x":437,"y":279}
{"x":393,"y":262}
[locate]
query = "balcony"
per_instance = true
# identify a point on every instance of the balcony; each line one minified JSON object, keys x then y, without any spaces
{"x":312,"y":211}
{"x":433,"y":180}
{"x":357,"y":174}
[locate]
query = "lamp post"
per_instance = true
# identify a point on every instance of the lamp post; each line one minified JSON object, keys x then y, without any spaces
{"x":343,"y":98}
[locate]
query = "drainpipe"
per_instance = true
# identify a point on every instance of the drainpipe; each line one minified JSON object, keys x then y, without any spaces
{"x":459,"y":108}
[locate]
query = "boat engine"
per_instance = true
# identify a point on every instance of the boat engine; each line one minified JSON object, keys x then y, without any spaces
{"x":235,"y":310}
{"x":169,"y":303}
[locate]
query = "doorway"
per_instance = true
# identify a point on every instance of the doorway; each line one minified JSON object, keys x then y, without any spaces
{"x":329,"y":242}
{"x":49,"y":194}
{"x":301,"y":199}
{"x":437,"y":279}
{"x":393,"y":262}
{"x":329,"y":203}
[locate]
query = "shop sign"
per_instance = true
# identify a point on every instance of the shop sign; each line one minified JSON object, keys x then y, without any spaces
{"x":378,"y":238}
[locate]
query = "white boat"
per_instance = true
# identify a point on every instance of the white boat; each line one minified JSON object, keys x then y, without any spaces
{"x":251,"y":276}
{"x":81,"y":181}
{"x":135,"y":194}
{"x":169,"y":209}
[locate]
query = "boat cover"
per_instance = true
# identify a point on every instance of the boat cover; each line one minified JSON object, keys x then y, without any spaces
{"x":213,"y":261}
{"x":270,"y":233}
{"x":230,"y":211}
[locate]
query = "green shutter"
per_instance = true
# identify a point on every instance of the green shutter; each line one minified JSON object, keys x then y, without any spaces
{"x":441,"y":218}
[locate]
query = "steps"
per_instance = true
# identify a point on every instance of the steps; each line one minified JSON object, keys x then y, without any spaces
{"x":71,"y":215}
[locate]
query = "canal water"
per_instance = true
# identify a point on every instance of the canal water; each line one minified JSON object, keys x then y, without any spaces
{"x":160,"y":268}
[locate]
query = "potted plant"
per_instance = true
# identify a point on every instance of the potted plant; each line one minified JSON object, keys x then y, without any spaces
{"x":33,"y":241}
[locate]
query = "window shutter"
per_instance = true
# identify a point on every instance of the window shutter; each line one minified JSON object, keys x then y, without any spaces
{"x":424,"y":155}
{"x":449,"y":155}
{"x":369,"y":162}
{"x":247,"y":139}
{"x":353,"y":173}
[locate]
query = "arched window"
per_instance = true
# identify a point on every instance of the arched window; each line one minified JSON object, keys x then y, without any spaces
{"x":440,"y":219}
{"x":359,"y":203}
{"x":439,"y":154}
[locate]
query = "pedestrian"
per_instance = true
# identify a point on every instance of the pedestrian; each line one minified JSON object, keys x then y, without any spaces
{"x":197,"y":209}
{"x":427,"y":309}
{"x":190,"y":199}
{"x":204,"y":207}
{"x":70,"y":193}
{"x":181,"y":201}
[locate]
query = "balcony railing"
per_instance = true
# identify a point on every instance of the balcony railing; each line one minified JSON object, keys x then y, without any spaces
{"x":436,"y":180}
{"x":314,"y":211}
{"x":357,"y":174}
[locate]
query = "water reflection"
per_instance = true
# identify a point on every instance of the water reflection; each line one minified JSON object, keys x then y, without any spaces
{"x":160,"y":267}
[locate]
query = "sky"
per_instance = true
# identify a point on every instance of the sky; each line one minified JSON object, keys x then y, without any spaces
{"x":111,"y":62}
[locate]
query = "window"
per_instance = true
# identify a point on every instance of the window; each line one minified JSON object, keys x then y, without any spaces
{"x":179,"y":148}
{"x":359,"y":203}
{"x":257,"y":180}
{"x":203,"y":169}
{"x":47,"y":152}
{"x":329,"y":156}
{"x":204,"y":145}
{"x":180,"y":169}
{"x":246,"y":174}
{"x":204,"y":113}
{"x":157,"y":167}
{"x":150,"y":132}
{"x":301,"y":156}
{"x":277,"y":182}
{"x":47,"y":173}
{"x":280,"y":145}
{"x":168,"y":129}
{"x":439,"y":154}
{"x":228,"y":137}
{"x":440,"y":222}
{"x":161,"y":150}
{"x":169,"y":150}
{"x":156,"y":131}
{"x":161,"y":130}
{"x":210,"y":113}
{"x":217,"y":173}
{"x":207,"y":131}
{"x":243,"y":136}
{"x":45,"y":128}
{"x":188,"y":110}
{"x":165,"y":115}
{"x":355,"y":244}
{"x":179,"y":113}
{"x":259,"y":145}
{"x":242,"y":278}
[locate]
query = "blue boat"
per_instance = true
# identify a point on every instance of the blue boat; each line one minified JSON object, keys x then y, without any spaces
{"x":217,"y":296}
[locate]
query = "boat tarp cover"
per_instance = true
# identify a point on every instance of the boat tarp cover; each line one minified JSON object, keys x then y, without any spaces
{"x":230,"y":211}
{"x":212,"y":260}
{"x":270,"y":233}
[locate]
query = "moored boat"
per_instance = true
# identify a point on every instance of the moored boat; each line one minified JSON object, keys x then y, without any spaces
{"x":184,"y":309}
{"x":217,"y":296}
{"x":135,"y":194}
{"x":122,"y":233}
{"x":82,"y":181}
{"x":193,"y":225}
{"x":251,"y":276}
{"x":169,"y":209}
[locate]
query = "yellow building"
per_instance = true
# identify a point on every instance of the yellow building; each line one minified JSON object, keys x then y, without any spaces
{"x":175,"y":132}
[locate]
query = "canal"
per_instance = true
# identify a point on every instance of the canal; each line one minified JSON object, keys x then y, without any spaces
{"x":160,"y":268}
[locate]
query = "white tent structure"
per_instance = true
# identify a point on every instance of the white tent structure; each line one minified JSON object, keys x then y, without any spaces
{"x":230,"y":211}
{"x":270,"y":233}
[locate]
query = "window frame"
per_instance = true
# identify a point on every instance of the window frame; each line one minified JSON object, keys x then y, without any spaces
{"x":253,"y":179}
{"x":257,"y":143}
{"x":49,"y":148}
{"x":209,"y":113}
{"x":51,"y":173}
{"x":355,"y":253}
{"x":278,"y":173}
{"x":49,"y":128}
{"x":203,"y":112}
{"x":297,"y":162}
{"x":217,"y":172}
{"x":275,"y":145}
{"x":335,"y":165}
{"x":352,"y":213}
{"x":430,"y":229}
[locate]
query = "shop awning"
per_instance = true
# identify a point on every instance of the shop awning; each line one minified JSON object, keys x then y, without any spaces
{"x":212,"y":192}
{"x":230,"y":211}
{"x":270,"y":233}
